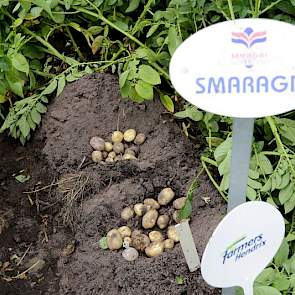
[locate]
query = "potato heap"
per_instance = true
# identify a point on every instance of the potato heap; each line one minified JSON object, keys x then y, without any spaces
{"x":157,"y":232}
{"x":123,"y":146}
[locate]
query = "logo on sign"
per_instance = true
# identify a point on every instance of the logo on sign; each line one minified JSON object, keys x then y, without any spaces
{"x":242,"y":248}
{"x":248,"y":38}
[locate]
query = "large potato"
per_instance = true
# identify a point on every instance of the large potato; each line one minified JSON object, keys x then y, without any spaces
{"x":151,"y":202}
{"x":165,"y":196}
{"x":150,"y":218}
{"x":163,"y":221}
{"x":117,"y":136}
{"x":140,"y":242}
{"x":114,"y":239}
{"x":129,"y":135}
{"x":97,"y":143}
{"x":154,"y":249}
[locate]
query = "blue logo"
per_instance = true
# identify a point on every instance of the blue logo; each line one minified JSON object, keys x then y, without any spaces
{"x":248,"y":38}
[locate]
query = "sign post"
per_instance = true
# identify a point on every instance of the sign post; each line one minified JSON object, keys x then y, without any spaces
{"x":243,"y":69}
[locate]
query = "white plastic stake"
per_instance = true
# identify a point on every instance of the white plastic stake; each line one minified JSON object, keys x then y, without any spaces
{"x":188,"y":245}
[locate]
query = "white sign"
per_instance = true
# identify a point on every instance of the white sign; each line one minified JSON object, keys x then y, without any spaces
{"x":242,"y":68}
{"x":242,"y":245}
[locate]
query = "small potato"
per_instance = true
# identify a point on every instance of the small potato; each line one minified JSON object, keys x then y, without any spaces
{"x":97,"y":143}
{"x":175,"y":216}
{"x":118,"y":148}
{"x":105,"y":154}
{"x":165,"y":196}
{"x":179,"y":203}
{"x":127,"y":213}
{"x":118,"y":158}
{"x":151,"y":202}
{"x":154,"y":249}
{"x":96,"y":156}
{"x":124,"y":231}
{"x":128,"y":157}
{"x":108,"y":147}
{"x":150,"y":218}
{"x":127,"y":241}
{"x":163,"y":221}
{"x":139,"y":139}
{"x":112,"y":155}
{"x":117,"y":136}
{"x":172,"y":233}
{"x":140,"y":242}
{"x":114,"y":239}
{"x":140,"y":209}
{"x":129,"y":135}
{"x":135,"y":233}
{"x":168,"y":244}
{"x":130,"y":254}
{"x":156,"y":236}
{"x":130,"y":152}
{"x":109,"y":160}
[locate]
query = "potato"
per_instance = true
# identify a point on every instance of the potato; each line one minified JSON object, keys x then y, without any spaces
{"x":97,"y":143}
{"x":179,"y":203}
{"x":118,"y":148}
{"x":109,"y":160}
{"x":130,"y":152}
{"x":172,"y":233}
{"x":124,"y":231}
{"x":108,"y":147}
{"x":140,"y":209}
{"x":151,"y":202}
{"x":165,"y":196}
{"x":156,"y":236}
{"x":117,"y":136}
{"x":140,"y":242}
{"x":96,"y":156}
{"x":129,"y":135}
{"x":135,"y":233}
{"x":105,"y":154}
{"x":114,"y":239}
{"x":118,"y":158}
{"x":139,"y":139}
{"x":112,"y":155}
{"x":127,"y":241}
{"x":163,"y":221}
{"x":150,"y":218}
{"x":130,"y":254}
{"x":154,"y":249}
{"x":128,"y":157}
{"x":175,"y":216}
{"x":168,"y":244}
{"x":127,"y":213}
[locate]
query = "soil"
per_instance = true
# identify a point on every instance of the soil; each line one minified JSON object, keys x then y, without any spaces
{"x":90,"y":197}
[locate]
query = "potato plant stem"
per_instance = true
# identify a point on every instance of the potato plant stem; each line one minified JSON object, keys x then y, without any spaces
{"x":231,"y":9}
{"x":74,"y":43}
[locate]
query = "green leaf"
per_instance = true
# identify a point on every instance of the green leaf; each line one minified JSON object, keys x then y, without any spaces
{"x":266,"y":277}
{"x":22,"y":178}
{"x":144,"y":90}
{"x":133,"y":5}
{"x":282,"y":254}
{"x":251,"y":193}
{"x":224,"y":185}
{"x":292,"y":281}
{"x":17,"y":22}
{"x":122,"y":78}
{"x":167,"y":103}
{"x":266,"y":290}
{"x":286,"y":193}
{"x":15,"y":84}
{"x":50,"y":88}
{"x":103,"y":243}
{"x":267,"y":186}
{"x":36,"y":11}
{"x":224,"y":166}
{"x":173,"y":40}
{"x":280,"y":282}
{"x":222,"y":150}
{"x":24,"y":126}
{"x":61,"y":84}
{"x":290,"y":204}
{"x":36,"y":117}
{"x":96,"y":44}
{"x":152,"y":30}
{"x":41,"y":108}
{"x":149,"y":75}
{"x":186,"y":211}
{"x":254,"y":184}
{"x":264,"y":163}
{"x":20,"y":63}
{"x":190,"y":112}
{"x":285,"y":181}
{"x":179,"y":280}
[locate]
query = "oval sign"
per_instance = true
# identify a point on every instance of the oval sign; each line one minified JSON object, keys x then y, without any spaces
{"x":242,"y":68}
{"x":242,"y":245}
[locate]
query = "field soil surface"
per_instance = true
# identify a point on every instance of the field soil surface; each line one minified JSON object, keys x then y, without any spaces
{"x":50,"y":225}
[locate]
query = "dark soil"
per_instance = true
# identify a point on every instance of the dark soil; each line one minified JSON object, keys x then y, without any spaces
{"x":71,"y":262}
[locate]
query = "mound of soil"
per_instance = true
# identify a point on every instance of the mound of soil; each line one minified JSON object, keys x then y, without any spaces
{"x":92,"y":107}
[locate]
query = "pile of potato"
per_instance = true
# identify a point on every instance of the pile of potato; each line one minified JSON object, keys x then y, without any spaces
{"x":123,"y":146}
{"x":157,"y":232}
